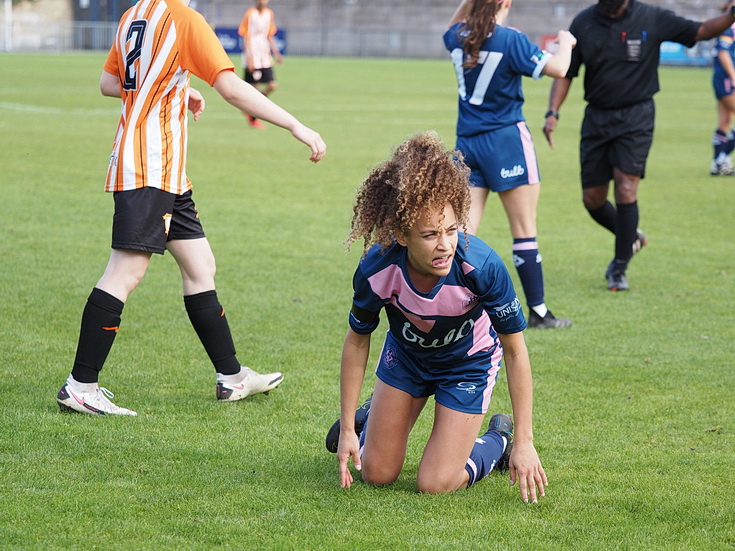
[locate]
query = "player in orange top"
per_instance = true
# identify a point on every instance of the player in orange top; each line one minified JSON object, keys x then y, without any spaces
{"x":258,"y":29}
{"x":158,"y":44}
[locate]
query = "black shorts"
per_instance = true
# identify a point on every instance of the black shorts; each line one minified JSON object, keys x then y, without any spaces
{"x":619,"y":138}
{"x":259,"y":76}
{"x":146,"y":218}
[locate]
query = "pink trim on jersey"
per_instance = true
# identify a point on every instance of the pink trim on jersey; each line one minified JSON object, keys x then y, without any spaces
{"x":481,"y":332}
{"x":467,"y":268}
{"x":492,"y":377}
{"x":526,"y":246}
{"x":451,"y":300}
{"x":529,"y":153}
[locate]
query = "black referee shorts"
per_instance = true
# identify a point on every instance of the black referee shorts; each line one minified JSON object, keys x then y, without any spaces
{"x":619,"y":138}
{"x":146,"y":218}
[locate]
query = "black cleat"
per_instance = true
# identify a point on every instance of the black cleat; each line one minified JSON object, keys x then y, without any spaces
{"x":361,"y":415}
{"x":616,"y":281}
{"x":549,"y":321}
{"x":502,"y":423}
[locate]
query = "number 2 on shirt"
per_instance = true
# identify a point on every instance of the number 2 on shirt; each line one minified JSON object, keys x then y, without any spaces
{"x":136,"y":29}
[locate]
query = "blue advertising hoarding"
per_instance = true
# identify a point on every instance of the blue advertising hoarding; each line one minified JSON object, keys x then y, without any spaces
{"x":673,"y":53}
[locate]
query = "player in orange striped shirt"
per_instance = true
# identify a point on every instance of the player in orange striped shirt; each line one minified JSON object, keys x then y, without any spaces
{"x":258,"y":31}
{"x":159,"y":43}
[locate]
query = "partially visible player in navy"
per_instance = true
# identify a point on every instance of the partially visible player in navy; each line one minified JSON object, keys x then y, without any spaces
{"x":453,"y":315}
{"x":489,"y":61}
{"x":723,"y":82}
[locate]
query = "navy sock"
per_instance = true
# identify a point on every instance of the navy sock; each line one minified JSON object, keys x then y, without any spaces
{"x":605,"y":216}
{"x":208,"y":318}
{"x":730,"y":143}
{"x":486,"y":452}
{"x":720,"y":143}
{"x":100,"y":324}
{"x":527,"y":261}
{"x":626,"y":224}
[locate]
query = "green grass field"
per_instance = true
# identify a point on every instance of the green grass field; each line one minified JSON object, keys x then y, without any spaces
{"x":634,"y":408}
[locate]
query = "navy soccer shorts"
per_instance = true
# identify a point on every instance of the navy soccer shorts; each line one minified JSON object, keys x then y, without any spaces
{"x":467,"y":387}
{"x":723,"y":86}
{"x":502,"y":159}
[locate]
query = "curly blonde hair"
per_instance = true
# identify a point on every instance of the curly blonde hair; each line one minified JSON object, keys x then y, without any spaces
{"x":421,"y":174}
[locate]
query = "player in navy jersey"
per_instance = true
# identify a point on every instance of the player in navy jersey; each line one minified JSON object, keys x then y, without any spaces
{"x":723,"y":82}
{"x":453,"y":315}
{"x":489,"y":61}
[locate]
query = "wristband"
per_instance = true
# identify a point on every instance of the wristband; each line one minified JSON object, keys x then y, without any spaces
{"x":555,"y":114}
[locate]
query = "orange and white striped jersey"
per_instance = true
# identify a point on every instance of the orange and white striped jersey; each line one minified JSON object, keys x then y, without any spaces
{"x":256,"y":28}
{"x":158,"y":43}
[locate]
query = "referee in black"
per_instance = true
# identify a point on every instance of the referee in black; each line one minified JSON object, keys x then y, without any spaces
{"x":618,"y":42}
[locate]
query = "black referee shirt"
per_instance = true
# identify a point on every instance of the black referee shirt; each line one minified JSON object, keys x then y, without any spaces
{"x":621,"y":55}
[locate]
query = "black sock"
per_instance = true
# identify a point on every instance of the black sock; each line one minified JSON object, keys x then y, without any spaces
{"x":605,"y":216}
{"x":100,"y":323}
{"x":208,"y":318}
{"x":626,"y":224}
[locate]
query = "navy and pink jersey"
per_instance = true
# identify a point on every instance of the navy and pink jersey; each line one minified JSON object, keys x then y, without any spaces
{"x":725,"y":42}
{"x":490,"y":93}
{"x":457,"y":322}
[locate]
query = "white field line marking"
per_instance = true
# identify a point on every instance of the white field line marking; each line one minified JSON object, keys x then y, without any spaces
{"x":44,"y":110}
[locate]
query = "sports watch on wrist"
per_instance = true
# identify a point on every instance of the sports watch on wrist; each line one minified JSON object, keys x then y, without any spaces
{"x":555,"y":114}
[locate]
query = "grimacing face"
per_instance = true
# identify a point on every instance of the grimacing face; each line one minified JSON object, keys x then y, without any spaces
{"x":431,"y":243}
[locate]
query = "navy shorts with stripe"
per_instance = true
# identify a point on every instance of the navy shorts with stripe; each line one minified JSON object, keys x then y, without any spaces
{"x":466,"y":388}
{"x":723,"y":86}
{"x":501,"y":159}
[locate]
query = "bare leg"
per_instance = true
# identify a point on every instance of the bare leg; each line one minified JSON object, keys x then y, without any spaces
{"x":442,"y":466}
{"x":125,"y":269}
{"x":196,"y":263}
{"x":478,"y":198}
{"x":392,"y":416}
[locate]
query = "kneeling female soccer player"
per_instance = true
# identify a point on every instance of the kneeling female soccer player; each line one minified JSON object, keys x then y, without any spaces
{"x":453,"y":315}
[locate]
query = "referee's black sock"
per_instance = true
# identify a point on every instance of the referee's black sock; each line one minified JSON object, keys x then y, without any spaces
{"x":605,"y":216}
{"x":208,"y":318}
{"x":100,"y":324}
{"x":626,"y":224}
